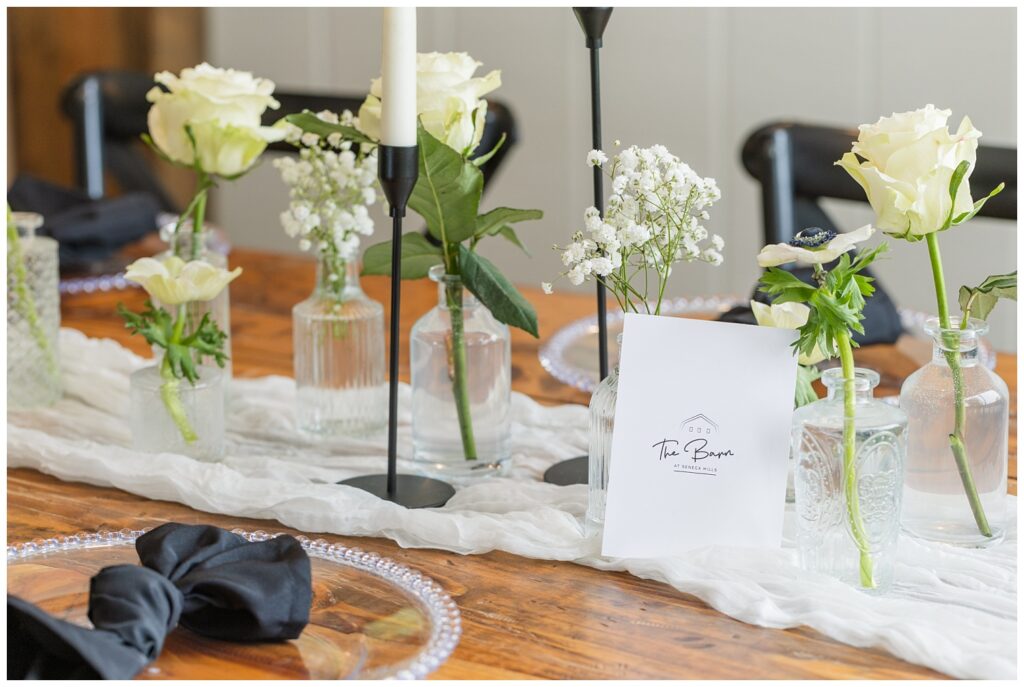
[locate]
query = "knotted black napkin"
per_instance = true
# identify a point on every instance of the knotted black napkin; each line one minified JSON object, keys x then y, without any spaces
{"x":209,"y":580}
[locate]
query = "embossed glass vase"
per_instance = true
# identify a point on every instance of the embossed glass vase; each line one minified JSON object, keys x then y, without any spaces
{"x":339,"y":357}
{"x":33,"y":315}
{"x":188,"y":246}
{"x":438,"y":438}
{"x":935,"y":502}
{"x":602,"y":425}
{"x":830,"y":509}
{"x":154,"y":429}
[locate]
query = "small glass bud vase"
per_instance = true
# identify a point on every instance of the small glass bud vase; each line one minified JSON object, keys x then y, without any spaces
{"x":154,"y":429}
{"x":439,"y":430}
{"x":848,"y":519}
{"x":602,"y":425}
{"x":33,"y":315}
{"x":935,"y":502}
{"x":188,"y":245}
{"x":339,"y":357}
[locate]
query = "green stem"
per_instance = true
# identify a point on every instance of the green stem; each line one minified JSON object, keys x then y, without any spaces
{"x":198,"y":214}
{"x":453,"y":297}
{"x":952,"y":354}
{"x":25,"y":302}
{"x":867,"y":578}
{"x":170,"y":390}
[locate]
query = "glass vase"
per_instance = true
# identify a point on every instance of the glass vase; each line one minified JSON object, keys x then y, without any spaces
{"x":188,"y":246}
{"x":154,"y":429}
{"x":339,"y":357}
{"x":461,"y":366}
{"x":848,"y":515}
{"x":33,"y":315}
{"x":935,"y":501}
{"x":602,"y":425}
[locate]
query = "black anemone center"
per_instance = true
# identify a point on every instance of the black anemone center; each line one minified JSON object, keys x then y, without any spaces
{"x":812,"y":237}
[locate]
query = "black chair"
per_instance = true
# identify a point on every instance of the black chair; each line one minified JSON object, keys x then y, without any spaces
{"x":108,"y":112}
{"x":794,"y":164}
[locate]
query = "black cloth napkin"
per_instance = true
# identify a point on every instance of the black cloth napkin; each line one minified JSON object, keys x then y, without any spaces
{"x":209,"y":580}
{"x":881,"y":318}
{"x":87,"y":230}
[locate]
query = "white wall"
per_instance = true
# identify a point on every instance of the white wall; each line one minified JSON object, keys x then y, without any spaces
{"x":697,"y":80}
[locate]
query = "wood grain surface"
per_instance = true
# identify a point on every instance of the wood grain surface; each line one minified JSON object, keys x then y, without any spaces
{"x":522,"y":618}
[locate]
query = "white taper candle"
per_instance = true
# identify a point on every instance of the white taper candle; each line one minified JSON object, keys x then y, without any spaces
{"x":398,"y":77}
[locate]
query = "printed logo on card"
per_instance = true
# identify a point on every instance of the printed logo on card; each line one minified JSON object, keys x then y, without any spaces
{"x":695,"y":448}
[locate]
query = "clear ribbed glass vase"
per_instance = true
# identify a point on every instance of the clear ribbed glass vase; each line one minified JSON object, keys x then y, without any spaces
{"x":153,"y":425}
{"x":848,"y":528}
{"x":443,"y":436}
{"x":339,"y":357}
{"x":935,"y":502}
{"x":602,"y":425}
{"x":188,"y":246}
{"x":33,"y":315}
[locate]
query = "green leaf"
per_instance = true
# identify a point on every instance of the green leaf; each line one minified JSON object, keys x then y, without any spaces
{"x":509,"y":234}
{"x":496,"y":292}
{"x":979,"y":301}
{"x":310,"y":123}
{"x":979,"y":205}
{"x":491,"y":223}
{"x":418,"y":256}
{"x":805,"y":376}
{"x":954,"y":185}
{"x":481,"y":160}
{"x":447,"y":193}
{"x":785,"y":287}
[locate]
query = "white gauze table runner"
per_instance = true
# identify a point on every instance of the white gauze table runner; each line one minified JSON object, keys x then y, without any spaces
{"x":952,"y":610}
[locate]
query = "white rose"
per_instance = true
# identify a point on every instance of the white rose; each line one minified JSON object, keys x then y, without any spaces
{"x":905,"y":162}
{"x":786,"y":316}
{"x":173,"y":281}
{"x":222,"y":107}
{"x":776,"y":254}
{"x":448,"y":100}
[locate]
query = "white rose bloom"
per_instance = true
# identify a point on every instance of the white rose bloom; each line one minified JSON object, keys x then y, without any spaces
{"x":905,"y":162}
{"x":448,"y":100}
{"x":781,"y":253}
{"x":173,"y":281}
{"x":222,"y":107}
{"x":786,"y":316}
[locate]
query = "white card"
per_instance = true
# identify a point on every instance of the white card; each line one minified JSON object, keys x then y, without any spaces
{"x":701,"y":444}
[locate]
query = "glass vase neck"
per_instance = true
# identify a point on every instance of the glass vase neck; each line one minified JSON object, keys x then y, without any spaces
{"x":337,"y":279}
{"x":27,"y":223}
{"x":947,"y":342}
{"x":864,"y":383}
{"x":188,"y":244}
{"x":450,"y":288}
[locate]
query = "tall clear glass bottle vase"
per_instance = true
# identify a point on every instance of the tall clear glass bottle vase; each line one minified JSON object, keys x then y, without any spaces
{"x":936,"y":505}
{"x":602,"y":425}
{"x":339,"y":357}
{"x":33,"y":315}
{"x":453,"y":415}
{"x":189,"y":245}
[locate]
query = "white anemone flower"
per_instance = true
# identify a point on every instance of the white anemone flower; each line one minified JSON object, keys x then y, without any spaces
{"x":173,"y":281}
{"x":786,"y":316}
{"x":814,"y":246}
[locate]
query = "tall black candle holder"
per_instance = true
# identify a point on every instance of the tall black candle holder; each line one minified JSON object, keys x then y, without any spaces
{"x":398,"y":167}
{"x":593,"y":21}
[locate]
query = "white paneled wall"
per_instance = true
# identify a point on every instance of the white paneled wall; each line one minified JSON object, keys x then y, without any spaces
{"x":697,"y":80}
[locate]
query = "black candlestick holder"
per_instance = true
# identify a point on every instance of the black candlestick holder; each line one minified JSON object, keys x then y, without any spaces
{"x":593,"y":21}
{"x":398,"y":167}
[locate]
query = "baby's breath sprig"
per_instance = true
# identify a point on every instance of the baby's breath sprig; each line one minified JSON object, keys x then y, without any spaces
{"x":653,"y":220}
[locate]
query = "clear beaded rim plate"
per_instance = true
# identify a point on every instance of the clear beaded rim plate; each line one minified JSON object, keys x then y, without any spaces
{"x":446,"y":621}
{"x":552,"y":354}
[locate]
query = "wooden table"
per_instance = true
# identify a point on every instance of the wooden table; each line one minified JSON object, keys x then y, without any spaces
{"x":522,"y":618}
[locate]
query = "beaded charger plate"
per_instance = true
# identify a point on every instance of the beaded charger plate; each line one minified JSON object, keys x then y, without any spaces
{"x":371,"y":617}
{"x":570,"y":355}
